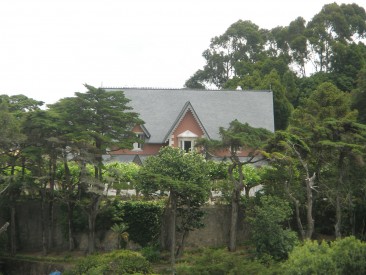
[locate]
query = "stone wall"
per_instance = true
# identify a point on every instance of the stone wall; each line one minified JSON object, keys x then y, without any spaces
{"x":215,"y":233}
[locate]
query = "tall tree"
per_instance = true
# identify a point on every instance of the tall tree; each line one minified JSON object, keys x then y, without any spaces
{"x":42,"y":151}
{"x":238,"y":138}
{"x":329,"y":126}
{"x":334,"y":23}
{"x":11,"y":140}
{"x":185,"y":177}
{"x":99,"y":121}
{"x":292,"y":172}
{"x":242,"y":42}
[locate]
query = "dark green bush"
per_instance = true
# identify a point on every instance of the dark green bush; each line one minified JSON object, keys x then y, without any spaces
{"x":268,"y":233}
{"x":143,"y":219}
{"x":117,"y":262}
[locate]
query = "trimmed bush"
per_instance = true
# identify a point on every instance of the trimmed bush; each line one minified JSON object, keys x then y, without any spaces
{"x":143,"y":219}
{"x":117,"y":262}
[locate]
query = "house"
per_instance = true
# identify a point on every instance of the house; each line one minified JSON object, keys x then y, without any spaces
{"x":177,"y":117}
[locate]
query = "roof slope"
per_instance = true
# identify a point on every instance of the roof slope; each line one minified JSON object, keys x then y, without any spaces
{"x":159,"y":108}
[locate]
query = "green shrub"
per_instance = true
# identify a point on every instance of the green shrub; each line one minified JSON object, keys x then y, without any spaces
{"x":310,"y":258}
{"x":344,"y":256}
{"x":151,"y":253}
{"x":117,"y":262}
{"x":268,"y":234}
{"x":220,"y":262}
{"x":143,"y":219}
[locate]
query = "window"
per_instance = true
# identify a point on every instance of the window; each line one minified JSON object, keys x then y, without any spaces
{"x":187,"y":145}
{"x":137,"y":146}
{"x":186,"y":140}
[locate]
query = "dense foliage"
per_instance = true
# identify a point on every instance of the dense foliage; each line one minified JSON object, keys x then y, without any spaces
{"x":221,"y":262}
{"x":143,"y":219}
{"x":343,"y":256}
{"x":117,"y":262}
{"x":184,"y":178}
{"x":267,"y":220}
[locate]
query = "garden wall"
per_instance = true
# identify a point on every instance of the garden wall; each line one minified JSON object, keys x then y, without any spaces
{"x":215,"y":233}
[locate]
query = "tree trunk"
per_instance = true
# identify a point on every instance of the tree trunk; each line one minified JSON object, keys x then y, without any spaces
{"x":352,"y":218}
{"x":70,"y":210}
{"x":173,"y":207}
{"x":340,"y":183}
{"x":337,"y":226}
{"x":50,"y":224}
{"x":51,"y":218}
{"x":92,"y":216}
{"x":309,"y":181}
{"x":91,"y":235}
{"x":234,"y":219}
{"x":13,"y":242}
{"x":182,"y":244}
{"x":309,"y":206}
{"x":164,"y":236}
{"x":298,"y":219}
{"x":43,"y":223}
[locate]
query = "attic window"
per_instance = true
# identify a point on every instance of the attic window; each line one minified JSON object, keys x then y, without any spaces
{"x":137,"y":146}
{"x":187,"y":140}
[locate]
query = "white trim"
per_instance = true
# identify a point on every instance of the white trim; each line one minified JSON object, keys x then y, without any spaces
{"x":187,"y":134}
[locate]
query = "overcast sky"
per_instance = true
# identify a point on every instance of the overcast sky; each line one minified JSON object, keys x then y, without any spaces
{"x":50,"y":48}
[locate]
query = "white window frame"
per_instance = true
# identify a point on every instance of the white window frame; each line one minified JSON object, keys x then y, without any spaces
{"x":136,"y":145}
{"x":181,"y":143}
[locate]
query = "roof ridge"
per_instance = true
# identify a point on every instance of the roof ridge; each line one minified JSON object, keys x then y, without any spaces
{"x":183,"y":89}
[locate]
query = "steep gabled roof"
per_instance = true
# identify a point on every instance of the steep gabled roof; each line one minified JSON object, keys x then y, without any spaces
{"x":160,"y":109}
{"x":187,"y":107}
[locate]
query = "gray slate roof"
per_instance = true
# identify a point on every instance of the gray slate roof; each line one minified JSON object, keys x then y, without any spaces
{"x":160,"y":108}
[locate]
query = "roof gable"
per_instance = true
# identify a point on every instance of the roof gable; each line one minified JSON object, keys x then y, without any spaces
{"x":162,"y":108}
{"x":187,"y":107}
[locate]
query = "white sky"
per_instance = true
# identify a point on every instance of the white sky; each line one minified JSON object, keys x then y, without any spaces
{"x":50,"y":48}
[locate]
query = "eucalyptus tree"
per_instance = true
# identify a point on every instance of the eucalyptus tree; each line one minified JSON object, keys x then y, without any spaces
{"x":184,"y":176}
{"x":334,"y":23}
{"x":243,"y":42}
{"x":296,"y":37}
